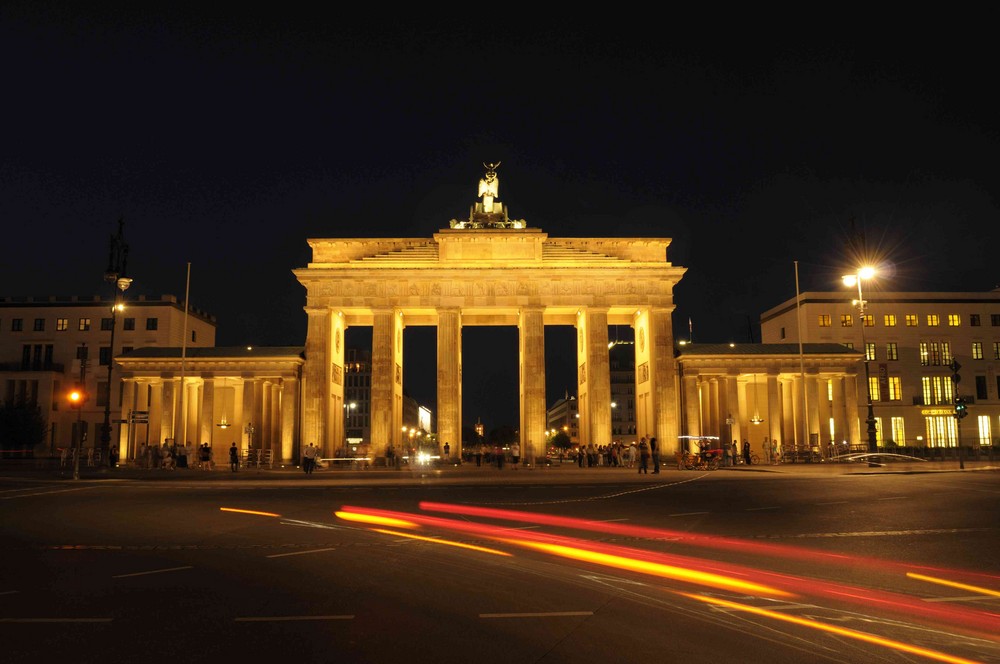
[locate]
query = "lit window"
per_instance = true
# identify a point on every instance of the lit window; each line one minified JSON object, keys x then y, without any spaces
{"x":84,"y":325}
{"x":890,"y":320}
{"x":977,"y":350}
{"x":62,"y":324}
{"x":895,"y":388}
{"x":933,"y":320}
{"x":996,"y":350}
{"x":846,"y":320}
{"x":911,"y":320}
{"x":824,"y":320}
{"x":891,"y":352}
{"x":873,"y":388}
{"x":869,"y":320}
{"x":870,"y":352}
{"x":954,"y":320}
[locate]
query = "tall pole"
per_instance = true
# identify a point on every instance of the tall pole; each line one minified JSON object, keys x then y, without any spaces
{"x":872,"y":437}
{"x":116,"y":275}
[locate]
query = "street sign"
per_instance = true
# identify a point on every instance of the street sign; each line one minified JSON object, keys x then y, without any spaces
{"x":955,"y":366}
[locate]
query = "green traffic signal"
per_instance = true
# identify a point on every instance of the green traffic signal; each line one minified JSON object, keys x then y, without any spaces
{"x":960,"y":408}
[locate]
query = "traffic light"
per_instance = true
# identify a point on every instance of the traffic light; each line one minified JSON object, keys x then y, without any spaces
{"x":955,"y":366}
{"x":960,"y":408}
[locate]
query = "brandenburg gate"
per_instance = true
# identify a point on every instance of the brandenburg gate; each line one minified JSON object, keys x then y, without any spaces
{"x":488,"y":270}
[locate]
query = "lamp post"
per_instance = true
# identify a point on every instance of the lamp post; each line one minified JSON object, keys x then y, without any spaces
{"x":348,"y":407}
{"x":852,"y":280}
{"x":115,"y":275}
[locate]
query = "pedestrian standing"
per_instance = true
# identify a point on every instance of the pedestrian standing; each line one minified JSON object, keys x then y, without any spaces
{"x":654,"y":451}
{"x":309,"y":458}
{"x":727,"y":456}
{"x":479,"y":455}
{"x":643,"y":457}
{"x":515,"y":454}
{"x":736,"y":453}
{"x":746,"y":452}
{"x":234,"y":458}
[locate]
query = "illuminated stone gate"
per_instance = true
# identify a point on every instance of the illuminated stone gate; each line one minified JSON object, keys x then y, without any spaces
{"x":488,"y":270}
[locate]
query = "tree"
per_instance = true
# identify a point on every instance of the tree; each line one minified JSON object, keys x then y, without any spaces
{"x":561,"y":440}
{"x":22,"y":428}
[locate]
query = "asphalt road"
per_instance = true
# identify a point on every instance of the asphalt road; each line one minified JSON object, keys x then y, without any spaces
{"x":783,"y":564}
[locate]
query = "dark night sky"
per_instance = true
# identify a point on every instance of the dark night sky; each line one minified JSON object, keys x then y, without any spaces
{"x":226,"y":139}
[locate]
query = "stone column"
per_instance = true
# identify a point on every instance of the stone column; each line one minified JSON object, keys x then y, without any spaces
{"x":383,"y":378}
{"x":594,"y":371}
{"x":663,"y":375}
{"x":157,"y":422}
{"x":208,"y":413}
{"x":289,"y":412}
{"x":825,"y":413}
{"x":316,"y":378}
{"x":692,"y":410}
{"x":126,"y":449}
{"x":812,"y":411}
{"x":449,"y":376}
{"x":531,"y":330}
{"x":779,"y":426}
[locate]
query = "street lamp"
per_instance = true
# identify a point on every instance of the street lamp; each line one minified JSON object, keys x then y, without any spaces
{"x":348,"y":407}
{"x":851,"y":280}
{"x":115,"y":275}
{"x":76,"y":398}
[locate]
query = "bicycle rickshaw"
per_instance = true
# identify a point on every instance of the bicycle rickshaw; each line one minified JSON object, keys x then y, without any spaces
{"x":708,"y":457}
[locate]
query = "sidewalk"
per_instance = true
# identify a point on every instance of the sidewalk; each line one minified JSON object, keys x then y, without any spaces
{"x":51,"y":470}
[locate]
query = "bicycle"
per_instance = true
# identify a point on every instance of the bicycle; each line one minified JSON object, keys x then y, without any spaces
{"x":754,"y":459}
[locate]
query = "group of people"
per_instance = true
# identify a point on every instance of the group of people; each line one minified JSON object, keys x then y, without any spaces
{"x":496,"y":455}
{"x":170,"y":456}
{"x":621,"y":455}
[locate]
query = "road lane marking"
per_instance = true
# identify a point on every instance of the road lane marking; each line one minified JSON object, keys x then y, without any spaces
{"x":892,"y":498}
{"x":551,"y":614}
{"x":759,"y":509}
{"x":300,"y":553}
{"x":49,"y":493}
{"x":9,"y":592}
{"x":152,"y":571}
{"x":689,"y":513}
{"x":836,"y":502}
{"x":291,"y":618}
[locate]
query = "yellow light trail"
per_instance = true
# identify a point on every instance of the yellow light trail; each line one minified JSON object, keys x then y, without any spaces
{"x":233,"y":509}
{"x":375,"y":520}
{"x":656,"y":569}
{"x":435,"y":540}
{"x":823,"y":627}
{"x":954,"y":584}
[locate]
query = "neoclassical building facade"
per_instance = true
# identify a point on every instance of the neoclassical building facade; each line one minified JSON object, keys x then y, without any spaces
{"x":490,"y":270}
